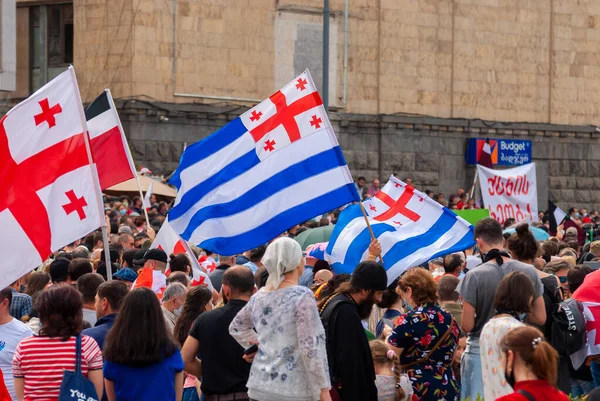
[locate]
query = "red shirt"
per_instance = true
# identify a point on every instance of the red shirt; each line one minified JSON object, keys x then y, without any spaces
{"x":40,"y":361}
{"x":540,"y":389}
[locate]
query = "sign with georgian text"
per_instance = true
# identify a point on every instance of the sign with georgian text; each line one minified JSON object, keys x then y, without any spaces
{"x":510,"y":193}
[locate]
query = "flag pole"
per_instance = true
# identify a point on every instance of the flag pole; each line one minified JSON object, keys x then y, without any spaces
{"x":126,"y":145}
{"x":364,"y":212}
{"x":94,"y":177}
{"x":474,"y":183}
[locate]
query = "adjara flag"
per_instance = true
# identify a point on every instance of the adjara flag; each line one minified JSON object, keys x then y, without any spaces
{"x":275,"y":166}
{"x":411,"y":227}
{"x":50,"y":196}
{"x":109,"y":145}
{"x":170,"y":242}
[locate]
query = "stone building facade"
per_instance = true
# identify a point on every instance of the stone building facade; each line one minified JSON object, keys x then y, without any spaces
{"x":410,"y":80}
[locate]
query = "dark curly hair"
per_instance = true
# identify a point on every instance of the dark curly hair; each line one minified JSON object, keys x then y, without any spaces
{"x":60,"y":311}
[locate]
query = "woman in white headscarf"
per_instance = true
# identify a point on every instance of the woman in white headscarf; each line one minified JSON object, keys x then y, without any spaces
{"x":282,"y":318}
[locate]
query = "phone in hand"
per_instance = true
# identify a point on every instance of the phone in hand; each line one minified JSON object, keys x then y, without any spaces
{"x":251,"y":349}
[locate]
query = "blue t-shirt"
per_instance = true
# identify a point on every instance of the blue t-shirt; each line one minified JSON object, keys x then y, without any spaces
{"x":153,"y":382}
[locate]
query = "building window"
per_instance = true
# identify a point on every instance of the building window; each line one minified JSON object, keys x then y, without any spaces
{"x":60,"y":35}
{"x":51,"y":42}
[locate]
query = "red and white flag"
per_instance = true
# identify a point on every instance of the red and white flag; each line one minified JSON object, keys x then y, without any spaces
{"x":153,"y":279}
{"x":170,"y":242}
{"x":109,"y":145}
{"x":588,"y":294}
{"x":208,"y":263}
{"x":49,"y":195}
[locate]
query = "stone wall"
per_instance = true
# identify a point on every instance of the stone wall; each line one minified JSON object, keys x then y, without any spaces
{"x":503,"y":60}
{"x":428,"y":150}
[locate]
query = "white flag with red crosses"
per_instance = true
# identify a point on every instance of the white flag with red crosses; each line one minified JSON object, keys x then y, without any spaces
{"x":49,"y":196}
{"x":170,"y":242}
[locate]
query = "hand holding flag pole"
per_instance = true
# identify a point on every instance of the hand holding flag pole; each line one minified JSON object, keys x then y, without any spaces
{"x":362,"y":208}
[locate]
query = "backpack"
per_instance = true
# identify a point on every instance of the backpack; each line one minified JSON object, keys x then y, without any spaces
{"x":568,"y":331}
{"x":75,"y":386}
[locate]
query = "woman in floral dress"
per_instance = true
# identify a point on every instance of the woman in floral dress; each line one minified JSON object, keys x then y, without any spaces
{"x":425,"y":339}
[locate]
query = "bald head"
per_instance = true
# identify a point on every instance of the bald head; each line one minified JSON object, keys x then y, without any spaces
{"x":239,"y":280}
{"x":323,"y":276}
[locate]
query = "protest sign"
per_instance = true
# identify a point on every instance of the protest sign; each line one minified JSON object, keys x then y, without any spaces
{"x":510,"y":193}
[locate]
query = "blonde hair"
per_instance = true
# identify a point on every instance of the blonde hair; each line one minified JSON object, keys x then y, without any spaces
{"x":571,"y":261}
{"x":379,"y":352}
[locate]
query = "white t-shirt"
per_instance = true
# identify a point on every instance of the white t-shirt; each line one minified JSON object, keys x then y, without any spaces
{"x":11,"y":334}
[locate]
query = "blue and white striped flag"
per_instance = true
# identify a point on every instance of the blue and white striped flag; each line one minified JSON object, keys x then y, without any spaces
{"x":411,"y":227}
{"x":277,"y":165}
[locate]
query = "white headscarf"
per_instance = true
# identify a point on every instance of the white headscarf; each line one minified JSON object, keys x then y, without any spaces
{"x":282,"y":256}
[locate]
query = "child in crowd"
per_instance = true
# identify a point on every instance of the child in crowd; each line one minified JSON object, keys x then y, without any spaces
{"x":387,"y":371}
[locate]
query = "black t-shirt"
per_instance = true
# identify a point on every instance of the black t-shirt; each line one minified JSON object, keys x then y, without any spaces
{"x":224,"y":370}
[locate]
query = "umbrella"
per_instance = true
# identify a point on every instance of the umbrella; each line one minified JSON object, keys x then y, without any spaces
{"x":130,"y":186}
{"x":314,"y":236}
{"x":538,"y":233}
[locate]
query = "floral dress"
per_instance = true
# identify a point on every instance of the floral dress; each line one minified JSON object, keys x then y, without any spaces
{"x":418,"y":331}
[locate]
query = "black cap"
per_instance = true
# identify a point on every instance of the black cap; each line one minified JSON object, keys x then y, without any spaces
{"x":153,"y":254}
{"x":369,"y":276}
{"x":138,"y":258}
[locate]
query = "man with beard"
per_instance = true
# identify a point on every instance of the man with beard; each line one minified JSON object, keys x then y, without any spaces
{"x":350,"y":362}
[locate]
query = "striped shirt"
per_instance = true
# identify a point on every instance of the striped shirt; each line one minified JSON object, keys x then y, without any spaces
{"x":41,"y":361}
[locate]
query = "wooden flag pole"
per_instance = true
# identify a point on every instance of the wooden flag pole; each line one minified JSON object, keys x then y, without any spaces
{"x":94,"y":177}
{"x":364,"y":212}
{"x":474,"y":183}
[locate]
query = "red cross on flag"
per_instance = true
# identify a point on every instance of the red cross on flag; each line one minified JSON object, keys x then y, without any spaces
{"x":292,"y":113}
{"x":49,"y":197}
{"x":170,"y":242}
{"x":396,"y":202}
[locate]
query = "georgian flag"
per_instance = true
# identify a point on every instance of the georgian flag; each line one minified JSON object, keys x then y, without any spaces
{"x":170,"y":242}
{"x":49,"y":196}
{"x":109,"y":145}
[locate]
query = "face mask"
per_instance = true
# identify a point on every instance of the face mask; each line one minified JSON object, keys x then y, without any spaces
{"x":122,"y":212}
{"x":576,"y":215}
{"x":510,"y":379}
{"x":177,"y":311}
{"x":126,"y":204}
{"x":407,"y":307}
{"x":522,"y":316}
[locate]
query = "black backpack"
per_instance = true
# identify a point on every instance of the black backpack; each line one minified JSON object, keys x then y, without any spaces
{"x":568,"y":331}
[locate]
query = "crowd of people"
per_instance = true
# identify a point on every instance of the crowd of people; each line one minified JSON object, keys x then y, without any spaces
{"x":280,"y":325}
